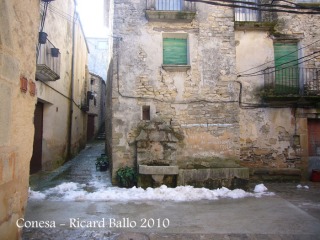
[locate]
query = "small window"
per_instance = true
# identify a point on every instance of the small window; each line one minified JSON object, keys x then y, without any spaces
{"x":246,"y":14}
{"x":175,"y":50}
{"x":92,"y":82}
{"x":145,"y":112}
{"x":165,"y":5}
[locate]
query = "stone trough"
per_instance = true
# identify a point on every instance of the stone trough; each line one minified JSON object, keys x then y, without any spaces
{"x":158,"y":172}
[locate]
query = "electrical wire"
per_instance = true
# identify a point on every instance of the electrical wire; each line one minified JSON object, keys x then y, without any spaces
{"x":257,"y":73}
{"x":271,"y":8}
{"x":279,"y":57}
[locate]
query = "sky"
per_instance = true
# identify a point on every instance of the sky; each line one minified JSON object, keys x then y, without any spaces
{"x":92,"y":19}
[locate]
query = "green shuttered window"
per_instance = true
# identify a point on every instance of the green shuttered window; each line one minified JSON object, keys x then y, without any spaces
{"x":175,"y":51}
{"x":286,"y":64}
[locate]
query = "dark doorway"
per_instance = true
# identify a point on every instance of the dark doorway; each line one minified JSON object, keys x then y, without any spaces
{"x":36,"y":160}
{"x":90,"y":127}
{"x":314,"y":137}
{"x":314,"y":143}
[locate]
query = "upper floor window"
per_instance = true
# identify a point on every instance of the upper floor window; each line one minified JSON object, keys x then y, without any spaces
{"x":246,"y":14}
{"x":175,"y":49}
{"x":169,"y":5}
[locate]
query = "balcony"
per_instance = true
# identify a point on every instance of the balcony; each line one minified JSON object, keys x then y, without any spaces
{"x":170,"y":11}
{"x":292,"y":84}
{"x":48,"y":62}
{"x":248,"y":19}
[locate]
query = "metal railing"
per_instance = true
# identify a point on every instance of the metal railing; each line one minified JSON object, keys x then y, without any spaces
{"x":292,"y":81}
{"x":171,"y":5}
{"x":247,"y":14}
{"x":48,"y":62}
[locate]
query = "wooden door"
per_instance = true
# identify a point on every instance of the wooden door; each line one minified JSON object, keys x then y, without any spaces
{"x":314,"y":137}
{"x":90,"y":127}
{"x":36,"y":160}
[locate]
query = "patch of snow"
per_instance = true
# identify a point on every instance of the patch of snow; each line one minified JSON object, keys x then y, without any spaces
{"x":77,"y":192}
{"x":260,"y":188}
{"x":36,"y":195}
{"x":305,"y":186}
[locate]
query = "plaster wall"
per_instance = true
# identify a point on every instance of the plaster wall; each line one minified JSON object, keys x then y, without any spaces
{"x":19,"y":32}
{"x":56,"y":94}
{"x":274,"y":138}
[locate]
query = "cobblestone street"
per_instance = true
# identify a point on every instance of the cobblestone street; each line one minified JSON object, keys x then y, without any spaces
{"x":292,"y":213}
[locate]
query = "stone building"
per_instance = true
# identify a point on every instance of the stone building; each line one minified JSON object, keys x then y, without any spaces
{"x":97,"y":106}
{"x":177,"y":98}
{"x":18,"y":37}
{"x":62,"y":84}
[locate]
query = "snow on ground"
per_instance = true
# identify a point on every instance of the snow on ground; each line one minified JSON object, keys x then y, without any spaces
{"x":94,"y":191}
{"x":305,"y":186}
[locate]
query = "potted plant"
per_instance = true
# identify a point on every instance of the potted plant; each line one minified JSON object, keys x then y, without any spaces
{"x":126,"y":177}
{"x":102,"y":163}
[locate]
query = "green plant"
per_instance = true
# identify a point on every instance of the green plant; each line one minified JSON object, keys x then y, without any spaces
{"x":126,"y":176}
{"x":102,"y":163}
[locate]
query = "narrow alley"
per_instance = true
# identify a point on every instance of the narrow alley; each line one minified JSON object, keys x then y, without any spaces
{"x":58,"y":199}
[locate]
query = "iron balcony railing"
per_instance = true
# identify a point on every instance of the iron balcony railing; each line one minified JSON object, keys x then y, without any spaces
{"x":48,"y":62}
{"x":171,"y":5}
{"x":245,"y":14}
{"x":292,"y":81}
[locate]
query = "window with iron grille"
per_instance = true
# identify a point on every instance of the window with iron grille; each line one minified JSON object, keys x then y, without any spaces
{"x":246,"y":14}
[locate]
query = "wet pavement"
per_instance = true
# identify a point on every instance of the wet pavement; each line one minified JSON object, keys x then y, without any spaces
{"x":292,"y":213}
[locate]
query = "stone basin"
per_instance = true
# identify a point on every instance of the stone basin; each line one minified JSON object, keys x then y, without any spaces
{"x":158,"y":170}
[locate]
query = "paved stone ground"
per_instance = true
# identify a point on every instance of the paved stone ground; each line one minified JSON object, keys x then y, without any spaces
{"x":293,"y":213}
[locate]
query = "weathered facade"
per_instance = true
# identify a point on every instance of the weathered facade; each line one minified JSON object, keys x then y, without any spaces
{"x":62,"y":84}
{"x":175,"y":70}
{"x":97,"y":106}
{"x":280,"y":93}
{"x":19,"y":22}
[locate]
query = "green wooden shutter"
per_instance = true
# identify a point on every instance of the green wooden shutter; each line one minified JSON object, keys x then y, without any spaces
{"x":286,"y":66}
{"x":175,"y":51}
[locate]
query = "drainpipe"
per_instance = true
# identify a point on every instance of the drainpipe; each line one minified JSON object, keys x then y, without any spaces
{"x":75,"y":17}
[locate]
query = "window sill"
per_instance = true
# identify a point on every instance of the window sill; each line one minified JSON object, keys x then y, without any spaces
{"x":176,"y":68}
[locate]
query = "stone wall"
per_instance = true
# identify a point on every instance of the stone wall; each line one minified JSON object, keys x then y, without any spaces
{"x":273,"y":141}
{"x":19,"y":33}
{"x":201,"y":102}
{"x":221,"y":116}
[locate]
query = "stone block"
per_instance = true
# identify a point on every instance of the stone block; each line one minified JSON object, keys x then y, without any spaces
{"x":214,"y":177}
{"x":172,"y":138}
{"x":143,"y":136}
{"x":158,"y":170}
{"x":158,"y":136}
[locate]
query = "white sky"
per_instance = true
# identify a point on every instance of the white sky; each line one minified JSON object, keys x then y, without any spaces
{"x":92,"y":19}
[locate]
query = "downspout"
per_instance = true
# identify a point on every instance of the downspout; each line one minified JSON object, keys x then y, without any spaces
{"x":75,"y":17}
